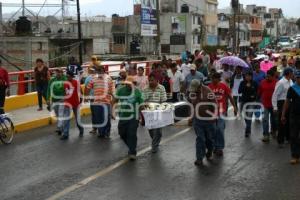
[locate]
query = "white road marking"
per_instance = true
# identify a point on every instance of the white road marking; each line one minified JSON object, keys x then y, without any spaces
{"x":110,"y":168}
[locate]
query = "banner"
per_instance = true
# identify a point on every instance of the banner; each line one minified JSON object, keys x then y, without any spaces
{"x":158,"y":118}
{"x":148,"y":18}
{"x":178,"y":24}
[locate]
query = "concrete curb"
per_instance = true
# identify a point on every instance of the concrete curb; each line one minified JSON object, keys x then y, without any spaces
{"x":42,"y":122}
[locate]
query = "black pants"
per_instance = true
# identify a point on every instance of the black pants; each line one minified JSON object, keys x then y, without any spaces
{"x":175,"y":97}
{"x":128,"y":133}
{"x":2,"y":99}
{"x":295,"y":136}
{"x":283,"y":129}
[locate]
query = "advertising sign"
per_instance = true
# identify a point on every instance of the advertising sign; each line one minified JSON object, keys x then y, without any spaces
{"x":148,"y":18}
{"x":178,"y":24}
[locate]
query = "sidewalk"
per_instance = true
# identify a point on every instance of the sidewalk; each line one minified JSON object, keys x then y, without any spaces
{"x":29,"y":118}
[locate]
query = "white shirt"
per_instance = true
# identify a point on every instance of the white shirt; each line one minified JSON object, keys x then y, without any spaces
{"x":236,"y":85}
{"x":176,"y":78}
{"x":280,"y":92}
{"x":185,"y":69}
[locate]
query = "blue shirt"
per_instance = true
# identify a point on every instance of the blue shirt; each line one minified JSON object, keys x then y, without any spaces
{"x":258,"y":77}
{"x":198,"y":76}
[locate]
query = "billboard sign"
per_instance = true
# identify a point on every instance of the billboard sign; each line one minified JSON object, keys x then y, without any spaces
{"x":148,"y":18}
{"x":178,"y":24}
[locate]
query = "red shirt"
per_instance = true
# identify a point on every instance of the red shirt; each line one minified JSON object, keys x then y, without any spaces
{"x":265,"y":91}
{"x":4,"y":81}
{"x":72,"y":92}
{"x":222,"y":92}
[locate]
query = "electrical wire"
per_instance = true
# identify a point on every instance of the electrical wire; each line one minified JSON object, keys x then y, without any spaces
{"x":41,"y":8}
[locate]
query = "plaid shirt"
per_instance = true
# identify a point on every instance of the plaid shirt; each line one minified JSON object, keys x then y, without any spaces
{"x":158,"y":95}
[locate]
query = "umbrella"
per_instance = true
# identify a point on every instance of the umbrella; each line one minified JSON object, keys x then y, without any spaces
{"x":266,"y":65}
{"x":233,"y":61}
{"x":276,"y":55}
{"x":260,"y":57}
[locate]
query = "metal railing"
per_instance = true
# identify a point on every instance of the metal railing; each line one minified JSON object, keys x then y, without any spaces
{"x":22,"y":79}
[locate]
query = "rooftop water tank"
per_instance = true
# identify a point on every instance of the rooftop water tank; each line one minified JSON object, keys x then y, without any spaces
{"x":23,"y":26}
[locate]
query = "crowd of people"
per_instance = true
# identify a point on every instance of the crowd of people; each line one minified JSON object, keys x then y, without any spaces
{"x":216,"y":92}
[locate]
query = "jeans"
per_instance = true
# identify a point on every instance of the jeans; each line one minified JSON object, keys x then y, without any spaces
{"x":128,"y":133}
{"x":102,"y":118}
{"x":59,"y":112}
{"x":204,"y":131}
{"x":258,"y":113}
{"x":295,"y":136}
{"x":248,"y":114}
{"x":218,"y":137}
{"x":67,"y":119}
{"x":42,"y":92}
{"x":2,"y":99}
{"x":268,"y":115}
{"x":283,"y":129}
{"x":156,"y":135}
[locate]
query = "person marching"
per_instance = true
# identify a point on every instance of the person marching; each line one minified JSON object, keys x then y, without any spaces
{"x":55,"y":96}
{"x":265,"y":91}
{"x":155,"y":93}
{"x":204,"y":120}
{"x":222,"y":93}
{"x":278,"y":99}
{"x":104,"y":89}
{"x":130,"y":100}
{"x":292,"y":107}
{"x":72,"y":102}
{"x":248,"y":90}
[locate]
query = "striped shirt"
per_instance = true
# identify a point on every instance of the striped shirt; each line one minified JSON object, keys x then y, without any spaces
{"x":158,"y":95}
{"x":103,"y":88}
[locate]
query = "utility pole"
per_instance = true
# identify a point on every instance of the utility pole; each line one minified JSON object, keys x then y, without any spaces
{"x":79,"y":33}
{"x":235,"y":7}
{"x":234,"y":33}
{"x":63,"y":15}
{"x":158,"y":28}
{"x":238,"y":36}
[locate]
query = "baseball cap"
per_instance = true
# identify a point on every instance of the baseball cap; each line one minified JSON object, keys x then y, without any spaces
{"x":193,"y":67}
{"x":297,"y":74}
{"x":194,"y":86}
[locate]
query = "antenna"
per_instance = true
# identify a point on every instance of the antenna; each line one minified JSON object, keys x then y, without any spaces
{"x":23,"y":8}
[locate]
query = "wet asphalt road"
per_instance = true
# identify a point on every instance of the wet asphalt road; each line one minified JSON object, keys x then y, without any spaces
{"x":38,"y":165}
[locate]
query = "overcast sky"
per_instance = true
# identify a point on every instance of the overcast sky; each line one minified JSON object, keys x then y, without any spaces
{"x":291,"y":8}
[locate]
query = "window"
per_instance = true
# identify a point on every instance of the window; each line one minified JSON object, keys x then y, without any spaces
{"x":199,"y":20}
{"x":211,"y":8}
{"x":177,"y":39}
{"x":213,"y":29}
{"x":119,"y":39}
{"x":40,"y":46}
{"x":199,"y":39}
